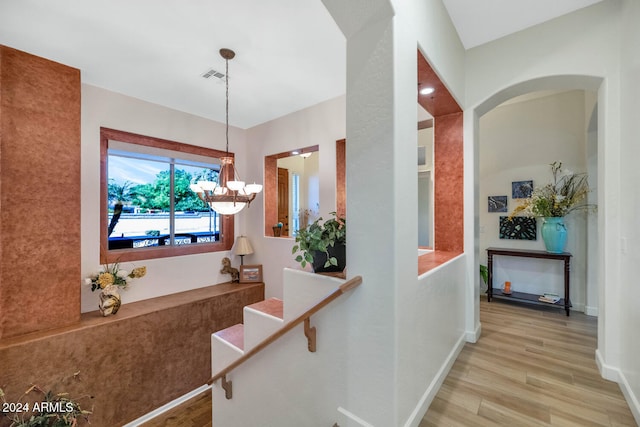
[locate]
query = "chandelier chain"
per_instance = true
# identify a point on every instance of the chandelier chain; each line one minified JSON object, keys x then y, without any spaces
{"x":227,"y":103}
{"x":228,"y":195}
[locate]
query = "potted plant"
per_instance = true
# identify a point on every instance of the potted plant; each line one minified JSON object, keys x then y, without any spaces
{"x":484,"y":273}
{"x":322,"y":244}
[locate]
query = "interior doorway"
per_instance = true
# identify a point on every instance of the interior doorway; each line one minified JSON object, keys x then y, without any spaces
{"x":518,"y":140}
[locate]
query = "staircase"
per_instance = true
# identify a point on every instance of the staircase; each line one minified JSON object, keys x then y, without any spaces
{"x":260,"y":320}
{"x":275,"y":384}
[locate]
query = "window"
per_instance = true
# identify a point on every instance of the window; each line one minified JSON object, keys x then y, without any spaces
{"x":147,"y":208}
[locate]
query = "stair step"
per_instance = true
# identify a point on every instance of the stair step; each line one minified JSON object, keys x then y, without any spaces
{"x":271,"y":306}
{"x":233,"y":335}
{"x":261,"y":320}
{"x":227,"y":346}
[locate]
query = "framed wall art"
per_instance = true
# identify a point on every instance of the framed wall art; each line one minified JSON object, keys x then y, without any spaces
{"x":521,"y":189}
{"x":518,"y":228}
{"x":251,"y":273}
{"x":497,"y":203}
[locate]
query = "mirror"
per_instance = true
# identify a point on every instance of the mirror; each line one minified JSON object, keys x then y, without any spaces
{"x":425,"y":179}
{"x":292,"y":190}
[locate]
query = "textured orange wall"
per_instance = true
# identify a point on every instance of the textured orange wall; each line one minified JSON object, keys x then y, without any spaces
{"x":39,"y":193}
{"x":341,"y":178}
{"x":449,"y":185}
{"x":147,"y":355}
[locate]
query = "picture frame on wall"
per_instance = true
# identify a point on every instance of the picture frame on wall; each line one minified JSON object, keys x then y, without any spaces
{"x":521,"y":189}
{"x":251,"y":273}
{"x":497,"y":203}
{"x":518,"y":228}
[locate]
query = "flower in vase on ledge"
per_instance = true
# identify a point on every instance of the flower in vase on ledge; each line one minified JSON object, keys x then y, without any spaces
{"x":567,"y":193}
{"x":109,"y":281}
{"x":113,"y":275}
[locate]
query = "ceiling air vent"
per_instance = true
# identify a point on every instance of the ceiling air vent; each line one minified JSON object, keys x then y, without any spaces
{"x":213,"y":73}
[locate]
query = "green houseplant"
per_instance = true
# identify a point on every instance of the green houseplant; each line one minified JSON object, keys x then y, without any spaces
{"x":322,"y":244}
{"x":484,"y":273}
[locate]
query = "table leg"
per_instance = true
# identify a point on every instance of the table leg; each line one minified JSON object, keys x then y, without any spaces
{"x":489,"y":276}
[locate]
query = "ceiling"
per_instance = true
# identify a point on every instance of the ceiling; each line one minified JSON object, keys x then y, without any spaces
{"x":290,"y":54}
{"x":481,"y":21}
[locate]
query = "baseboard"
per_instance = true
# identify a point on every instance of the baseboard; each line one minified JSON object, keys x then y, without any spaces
{"x":352,"y":419}
{"x":614,"y":374}
{"x":474,"y":336}
{"x":591,"y":311}
{"x":174,"y":403}
{"x":608,"y":372}
{"x":629,"y":395}
{"x":430,"y":393}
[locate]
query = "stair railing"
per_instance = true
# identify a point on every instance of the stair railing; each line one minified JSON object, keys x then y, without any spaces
{"x":310,"y":333}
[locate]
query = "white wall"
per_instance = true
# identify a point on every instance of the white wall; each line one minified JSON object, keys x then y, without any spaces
{"x":582,"y":51}
{"x":388,"y":377}
{"x":630,"y":205}
{"x":518,"y":142}
{"x":102,"y":108}
{"x":321,"y":125}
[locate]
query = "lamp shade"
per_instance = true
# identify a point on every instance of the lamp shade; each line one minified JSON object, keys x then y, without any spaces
{"x":243,"y":247}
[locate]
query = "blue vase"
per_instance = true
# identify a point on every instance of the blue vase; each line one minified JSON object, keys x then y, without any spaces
{"x":554,"y":234}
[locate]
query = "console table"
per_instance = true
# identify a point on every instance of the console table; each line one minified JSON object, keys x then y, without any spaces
{"x":522,"y":296}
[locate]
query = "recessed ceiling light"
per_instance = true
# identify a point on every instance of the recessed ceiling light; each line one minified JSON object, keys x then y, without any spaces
{"x":426,"y":90}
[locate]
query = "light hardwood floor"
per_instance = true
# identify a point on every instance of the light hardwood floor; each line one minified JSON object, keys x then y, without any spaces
{"x":195,"y":412}
{"x":531,"y":367}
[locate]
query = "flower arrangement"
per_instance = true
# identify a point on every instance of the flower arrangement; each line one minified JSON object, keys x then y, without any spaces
{"x":112,"y":275}
{"x":565,"y":194}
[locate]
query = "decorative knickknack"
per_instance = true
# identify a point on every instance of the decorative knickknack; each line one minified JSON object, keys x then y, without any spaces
{"x":110,"y":300}
{"x":109,"y":281}
{"x":554,"y":234}
{"x":228,"y":269}
{"x":552,"y":202}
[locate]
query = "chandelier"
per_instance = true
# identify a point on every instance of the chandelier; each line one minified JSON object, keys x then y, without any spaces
{"x":228,"y":195}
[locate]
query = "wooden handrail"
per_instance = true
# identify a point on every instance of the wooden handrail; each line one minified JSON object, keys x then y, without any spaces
{"x":345,"y":287}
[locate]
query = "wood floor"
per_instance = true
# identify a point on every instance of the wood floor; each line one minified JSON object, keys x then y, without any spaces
{"x":531,"y":367}
{"x":192,"y":413}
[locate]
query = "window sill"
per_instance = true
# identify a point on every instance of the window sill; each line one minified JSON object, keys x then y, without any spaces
{"x":432,"y":260}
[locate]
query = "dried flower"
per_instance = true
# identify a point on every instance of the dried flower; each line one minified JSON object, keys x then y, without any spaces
{"x":566,"y":194}
{"x":138,"y":272}
{"x":46,"y":408}
{"x":105,"y":279}
{"x":112,"y":275}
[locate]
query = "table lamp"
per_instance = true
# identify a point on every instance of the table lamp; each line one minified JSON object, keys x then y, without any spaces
{"x":243,"y":247}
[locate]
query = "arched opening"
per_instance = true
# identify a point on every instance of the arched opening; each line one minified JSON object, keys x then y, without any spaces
{"x":535,"y":110}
